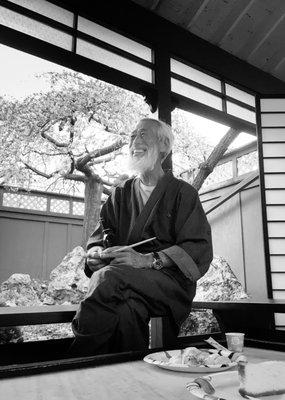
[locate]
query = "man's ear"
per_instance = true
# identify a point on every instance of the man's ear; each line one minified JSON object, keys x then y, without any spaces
{"x":163,"y":147}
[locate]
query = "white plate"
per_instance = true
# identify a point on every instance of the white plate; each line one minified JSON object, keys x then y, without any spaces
{"x":161,"y":360}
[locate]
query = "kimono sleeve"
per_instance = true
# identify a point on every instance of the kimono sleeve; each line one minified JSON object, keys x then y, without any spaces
{"x":105,"y":229}
{"x":192,"y":252}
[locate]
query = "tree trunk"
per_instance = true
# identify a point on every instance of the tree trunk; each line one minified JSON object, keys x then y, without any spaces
{"x":207,"y":167}
{"x":93,"y":194}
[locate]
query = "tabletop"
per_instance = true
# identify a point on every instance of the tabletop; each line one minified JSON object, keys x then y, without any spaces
{"x":134,"y":380}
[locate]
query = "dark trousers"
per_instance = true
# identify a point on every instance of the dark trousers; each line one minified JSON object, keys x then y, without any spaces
{"x":121,"y":300}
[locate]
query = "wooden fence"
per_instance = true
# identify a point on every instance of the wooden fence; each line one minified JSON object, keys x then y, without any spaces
{"x":36,"y":230}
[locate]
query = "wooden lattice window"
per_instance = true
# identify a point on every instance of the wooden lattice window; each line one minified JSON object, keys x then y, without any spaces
{"x":18,"y":200}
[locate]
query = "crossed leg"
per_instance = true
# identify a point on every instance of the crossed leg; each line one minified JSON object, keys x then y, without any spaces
{"x":121,"y":300}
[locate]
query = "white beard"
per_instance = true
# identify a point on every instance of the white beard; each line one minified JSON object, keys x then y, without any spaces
{"x":145,"y":163}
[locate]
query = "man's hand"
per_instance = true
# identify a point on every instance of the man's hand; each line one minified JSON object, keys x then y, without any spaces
{"x":93,"y":259}
{"x":128,"y":257}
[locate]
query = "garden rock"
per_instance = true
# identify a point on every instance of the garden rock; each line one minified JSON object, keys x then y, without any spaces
{"x":19,"y":290}
{"x":68,"y":284}
{"x":219,"y":283}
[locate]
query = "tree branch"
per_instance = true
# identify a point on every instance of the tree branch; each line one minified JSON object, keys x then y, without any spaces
{"x":74,"y":177}
{"x":48,"y":124}
{"x":71,"y":133}
{"x":43,"y":153}
{"x":38,"y":172}
{"x":82,"y":161}
{"x":85,"y":169}
{"x":106,"y":191}
{"x":104,"y":159}
{"x":206,"y":168}
{"x":72,"y":164}
{"x":53,"y":141}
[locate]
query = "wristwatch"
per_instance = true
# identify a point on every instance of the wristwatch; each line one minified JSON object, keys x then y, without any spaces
{"x":157,"y":261}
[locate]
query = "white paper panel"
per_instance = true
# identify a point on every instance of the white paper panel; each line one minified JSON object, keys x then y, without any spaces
{"x":273,"y":134}
{"x":279,"y":319}
{"x":240,"y":95}
{"x":113,"y":60}
{"x":34,"y":28}
{"x":273,"y":120}
{"x":279,"y":295}
{"x":277,"y":263}
{"x":275,"y":196}
{"x":108,"y":36}
{"x":275,"y":213}
{"x":272,"y":105}
{"x":277,"y":246}
{"x":276,"y":229}
{"x":196,"y":94}
{"x":195,"y":75}
{"x":278,"y":281}
{"x":241,"y":112}
{"x":48,"y":9}
{"x":274,"y":150}
{"x":274,"y":165}
{"x":275,"y":181}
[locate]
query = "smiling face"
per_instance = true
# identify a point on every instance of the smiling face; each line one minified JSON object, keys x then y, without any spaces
{"x":144,"y":147}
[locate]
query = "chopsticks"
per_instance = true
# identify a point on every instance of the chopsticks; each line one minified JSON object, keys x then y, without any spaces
{"x":135,"y":244}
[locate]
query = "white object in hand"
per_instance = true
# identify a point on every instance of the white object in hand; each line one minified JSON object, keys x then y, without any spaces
{"x":134,"y":244}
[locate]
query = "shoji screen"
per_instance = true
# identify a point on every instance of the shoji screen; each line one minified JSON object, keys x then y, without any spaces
{"x":271,"y":132}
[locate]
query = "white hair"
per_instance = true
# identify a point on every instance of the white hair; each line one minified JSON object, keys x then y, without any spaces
{"x":164,"y":134}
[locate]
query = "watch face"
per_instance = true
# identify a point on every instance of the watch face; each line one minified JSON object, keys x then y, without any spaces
{"x":157,"y":263}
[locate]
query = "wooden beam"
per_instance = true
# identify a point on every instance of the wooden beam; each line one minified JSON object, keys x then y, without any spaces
{"x":277,"y":9}
{"x":131,"y":19}
{"x":242,"y":304}
{"x":20,"y":316}
{"x":205,"y":111}
{"x":197,"y":14}
{"x":47,"y":51}
{"x":241,"y":13}
{"x":236,"y":189}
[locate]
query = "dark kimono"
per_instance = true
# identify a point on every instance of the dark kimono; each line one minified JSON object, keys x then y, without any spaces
{"x":121,"y":300}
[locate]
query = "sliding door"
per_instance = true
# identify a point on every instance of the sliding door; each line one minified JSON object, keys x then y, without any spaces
{"x":271,"y":137}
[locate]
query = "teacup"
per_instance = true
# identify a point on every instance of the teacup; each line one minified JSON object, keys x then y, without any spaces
{"x":235,"y":341}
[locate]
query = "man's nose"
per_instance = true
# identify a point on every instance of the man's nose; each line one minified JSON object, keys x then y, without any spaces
{"x":137,"y":139}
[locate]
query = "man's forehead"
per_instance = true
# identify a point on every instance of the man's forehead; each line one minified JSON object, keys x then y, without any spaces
{"x":145,"y":125}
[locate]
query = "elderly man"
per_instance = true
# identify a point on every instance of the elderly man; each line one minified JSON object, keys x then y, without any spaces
{"x":129,"y":286}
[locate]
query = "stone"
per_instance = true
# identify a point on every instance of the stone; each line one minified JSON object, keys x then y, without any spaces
{"x":19,"y":290}
{"x":68,"y":283}
{"x":219,"y":283}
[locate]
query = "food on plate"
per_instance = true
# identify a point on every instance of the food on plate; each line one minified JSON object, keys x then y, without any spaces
{"x":195,"y":357}
{"x":263,"y":379}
